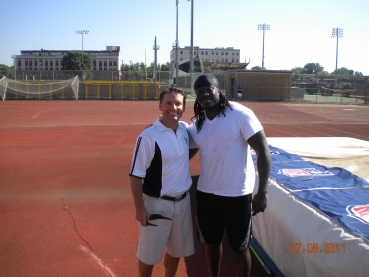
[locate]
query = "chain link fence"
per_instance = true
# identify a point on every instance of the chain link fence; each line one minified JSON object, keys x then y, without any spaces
{"x":356,"y":94}
{"x":331,"y":96}
{"x":84,"y":75}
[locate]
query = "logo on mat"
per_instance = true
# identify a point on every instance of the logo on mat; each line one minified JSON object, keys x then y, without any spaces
{"x":303,"y":172}
{"x":270,"y":151}
{"x":360,"y":212}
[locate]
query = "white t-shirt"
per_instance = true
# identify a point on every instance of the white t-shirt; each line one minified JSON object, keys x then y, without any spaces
{"x":227,"y":166}
{"x":161,"y":158}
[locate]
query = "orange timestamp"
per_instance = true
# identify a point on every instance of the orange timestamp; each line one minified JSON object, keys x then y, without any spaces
{"x":315,"y":248}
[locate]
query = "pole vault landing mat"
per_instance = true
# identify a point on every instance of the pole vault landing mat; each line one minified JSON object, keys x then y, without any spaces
{"x":318,"y":214}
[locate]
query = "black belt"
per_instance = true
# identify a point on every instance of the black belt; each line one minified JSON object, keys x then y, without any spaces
{"x":174,"y":199}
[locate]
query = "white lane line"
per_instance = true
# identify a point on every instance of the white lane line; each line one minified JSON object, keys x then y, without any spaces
{"x":98,"y":260}
{"x":43,"y":111}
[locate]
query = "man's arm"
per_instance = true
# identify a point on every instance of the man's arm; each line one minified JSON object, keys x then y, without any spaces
{"x":142,"y":215}
{"x":259,"y":143}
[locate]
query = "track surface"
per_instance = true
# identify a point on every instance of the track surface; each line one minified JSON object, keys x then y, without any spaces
{"x":65,"y":202}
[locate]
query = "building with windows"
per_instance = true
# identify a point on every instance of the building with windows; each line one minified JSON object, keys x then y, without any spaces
{"x":217,"y":54}
{"x":30,"y":61}
{"x":206,"y":60}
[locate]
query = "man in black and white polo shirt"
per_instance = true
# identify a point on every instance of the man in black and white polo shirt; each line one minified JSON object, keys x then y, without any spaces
{"x":160,"y":180}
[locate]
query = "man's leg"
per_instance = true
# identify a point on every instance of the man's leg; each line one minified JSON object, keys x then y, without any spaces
{"x":213,"y":253}
{"x":243,"y":263}
{"x":144,"y":270}
{"x":171,"y":265}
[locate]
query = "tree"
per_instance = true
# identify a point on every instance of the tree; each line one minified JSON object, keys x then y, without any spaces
{"x":296,"y":74}
{"x":323,"y":74}
{"x":357,"y":73}
{"x":73,"y":61}
{"x":343,"y":71}
{"x":164,"y":66}
{"x":257,"y":68}
{"x":312,"y":68}
{"x":5,"y":71}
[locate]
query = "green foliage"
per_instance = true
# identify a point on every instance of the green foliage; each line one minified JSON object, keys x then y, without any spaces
{"x":323,"y":74}
{"x":164,"y":66}
{"x":296,"y":73}
{"x":136,"y":71}
{"x":343,"y":71}
{"x":6,"y":71}
{"x":257,"y":68}
{"x":312,"y":68}
{"x":73,"y":61}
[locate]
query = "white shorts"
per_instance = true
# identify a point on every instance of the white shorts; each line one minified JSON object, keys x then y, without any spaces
{"x":176,"y":234}
{"x":239,"y":95}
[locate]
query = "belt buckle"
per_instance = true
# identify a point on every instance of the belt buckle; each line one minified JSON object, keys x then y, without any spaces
{"x":178,"y":198}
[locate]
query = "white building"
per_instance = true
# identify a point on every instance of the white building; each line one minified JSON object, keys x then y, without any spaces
{"x":217,"y":54}
{"x":103,"y":60}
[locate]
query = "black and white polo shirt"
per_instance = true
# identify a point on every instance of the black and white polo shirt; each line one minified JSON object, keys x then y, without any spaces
{"x":161,"y":159}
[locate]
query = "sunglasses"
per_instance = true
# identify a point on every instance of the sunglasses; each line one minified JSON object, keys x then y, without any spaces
{"x":156,"y":216}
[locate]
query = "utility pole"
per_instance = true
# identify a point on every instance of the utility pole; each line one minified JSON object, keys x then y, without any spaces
{"x":156,"y":48}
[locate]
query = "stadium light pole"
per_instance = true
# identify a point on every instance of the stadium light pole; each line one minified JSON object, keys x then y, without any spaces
{"x":191,"y":55}
{"x":176,"y":59}
{"x":82,"y":32}
{"x":264,"y":27}
{"x":14,"y":57}
{"x":338,"y":33}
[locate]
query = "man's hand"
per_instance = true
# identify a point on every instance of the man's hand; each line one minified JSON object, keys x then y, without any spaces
{"x":259,"y":202}
{"x":142,"y":215}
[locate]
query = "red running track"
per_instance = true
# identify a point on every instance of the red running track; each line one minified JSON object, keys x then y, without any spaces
{"x":65,"y":202}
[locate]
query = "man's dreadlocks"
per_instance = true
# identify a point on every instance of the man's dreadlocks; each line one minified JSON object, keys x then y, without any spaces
{"x":200,"y":113}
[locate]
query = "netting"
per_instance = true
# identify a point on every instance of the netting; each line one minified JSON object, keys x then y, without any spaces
{"x":38,"y":90}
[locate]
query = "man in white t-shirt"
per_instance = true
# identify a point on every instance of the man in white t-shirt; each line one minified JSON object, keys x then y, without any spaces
{"x":160,"y":180}
{"x":223,"y":133}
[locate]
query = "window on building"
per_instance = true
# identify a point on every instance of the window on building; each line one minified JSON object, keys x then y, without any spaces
{"x":216,"y":53}
{"x":202,"y":52}
{"x":181,"y":52}
{"x":222,"y":53}
{"x":206,"y":52}
{"x":51,"y":65}
{"x":227,"y":53}
{"x":237,"y":54}
{"x":226,"y":60}
{"x":212,"y":52}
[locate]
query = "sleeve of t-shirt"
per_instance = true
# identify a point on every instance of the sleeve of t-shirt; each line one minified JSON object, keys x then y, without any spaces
{"x":143,"y":154}
{"x":249,"y":124}
{"x":191,"y":132}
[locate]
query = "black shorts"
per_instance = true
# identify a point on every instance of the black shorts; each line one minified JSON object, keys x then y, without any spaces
{"x":218,"y":215}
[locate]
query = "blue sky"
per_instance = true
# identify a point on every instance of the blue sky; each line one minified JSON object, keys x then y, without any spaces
{"x":300,"y":31}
